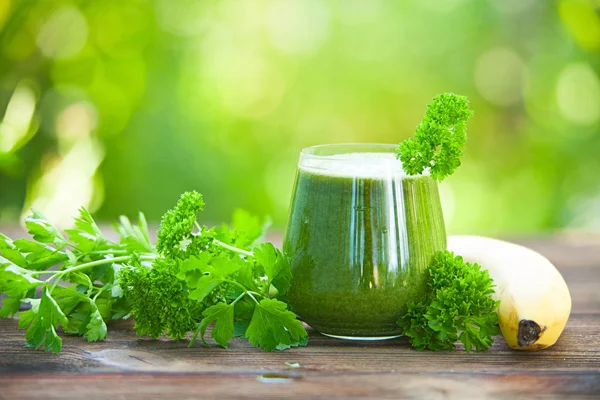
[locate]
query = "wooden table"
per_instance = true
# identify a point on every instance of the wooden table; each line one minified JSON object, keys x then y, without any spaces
{"x":128,"y":367}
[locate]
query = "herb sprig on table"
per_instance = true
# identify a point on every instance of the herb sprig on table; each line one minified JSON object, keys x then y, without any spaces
{"x":457,"y":307}
{"x":196,"y":276}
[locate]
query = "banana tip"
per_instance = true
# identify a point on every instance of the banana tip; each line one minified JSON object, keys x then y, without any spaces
{"x":529,"y":332}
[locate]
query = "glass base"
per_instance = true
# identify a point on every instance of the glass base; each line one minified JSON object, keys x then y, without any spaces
{"x":363,"y":338}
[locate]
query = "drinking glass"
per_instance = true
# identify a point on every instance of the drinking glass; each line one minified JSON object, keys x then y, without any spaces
{"x":360,"y":233}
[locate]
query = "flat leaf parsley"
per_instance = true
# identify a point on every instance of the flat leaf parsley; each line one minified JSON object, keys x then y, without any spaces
{"x":196,"y":276}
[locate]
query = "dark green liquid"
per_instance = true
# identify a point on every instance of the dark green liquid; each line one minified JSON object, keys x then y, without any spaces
{"x":358,"y":248}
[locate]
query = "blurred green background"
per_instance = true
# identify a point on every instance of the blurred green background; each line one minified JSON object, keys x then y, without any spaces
{"x":122,"y":105}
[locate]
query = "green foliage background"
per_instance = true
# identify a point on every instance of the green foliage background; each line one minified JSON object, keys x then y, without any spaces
{"x":122,"y":105}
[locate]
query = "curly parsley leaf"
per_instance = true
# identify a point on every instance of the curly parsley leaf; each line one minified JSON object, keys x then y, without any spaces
{"x":439,"y":139}
{"x":158,"y":300}
{"x":177,"y":225}
{"x":458,"y":307}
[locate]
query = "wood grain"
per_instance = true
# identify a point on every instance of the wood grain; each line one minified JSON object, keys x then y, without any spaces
{"x":128,"y":367}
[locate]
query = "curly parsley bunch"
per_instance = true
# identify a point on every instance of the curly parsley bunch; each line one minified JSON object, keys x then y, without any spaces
{"x":457,"y":307}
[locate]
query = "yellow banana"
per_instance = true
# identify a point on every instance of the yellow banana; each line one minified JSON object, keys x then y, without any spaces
{"x":534,"y":299}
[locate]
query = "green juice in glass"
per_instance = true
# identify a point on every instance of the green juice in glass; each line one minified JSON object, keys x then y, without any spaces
{"x":359,"y":236}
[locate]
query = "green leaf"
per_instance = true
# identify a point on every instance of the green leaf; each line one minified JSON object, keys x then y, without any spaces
{"x":248,"y":227}
{"x":87,"y":235}
{"x":275,"y":266}
{"x":81,"y":279}
{"x":9,"y":251}
{"x":204,"y":273}
{"x":439,"y":138}
{"x":15,"y":283}
{"x":135,"y":237}
{"x":203,"y":287}
{"x":222,"y":315}
{"x":40,"y":256}
{"x":273,"y":326}
{"x":79,"y":318}
{"x":50,"y":312}
{"x":301,"y":343}
{"x":68,"y":299}
{"x":224,"y":266}
{"x":53,"y":342}
{"x":36,"y":334}
{"x":159,"y":300}
{"x":458,"y":307}
{"x":44,"y":231}
{"x":177,"y":226}
{"x":96,"y":328}
{"x":45,"y":317}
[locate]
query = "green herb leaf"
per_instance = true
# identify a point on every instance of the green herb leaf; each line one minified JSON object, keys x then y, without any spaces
{"x":198,"y":277}
{"x":248,"y":227}
{"x":45,"y":318}
{"x":96,"y":328}
{"x":135,"y":237}
{"x":275,"y":266}
{"x":159,"y":300}
{"x":43,"y":231}
{"x":222,"y":315}
{"x":273,"y":326}
{"x":15,"y":283}
{"x":458,"y":307}
{"x":9,"y":251}
{"x":439,"y":138}
{"x":87,"y":235}
{"x":177,"y":225}
{"x":39,"y":256}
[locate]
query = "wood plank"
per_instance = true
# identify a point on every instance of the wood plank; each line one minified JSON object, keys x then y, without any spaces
{"x":578,"y":350}
{"x":294,"y":386}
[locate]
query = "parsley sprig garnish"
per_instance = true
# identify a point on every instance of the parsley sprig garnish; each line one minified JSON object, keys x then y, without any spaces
{"x":439,"y":139}
{"x":196,"y":276}
{"x":457,"y":307}
{"x":82,"y":293}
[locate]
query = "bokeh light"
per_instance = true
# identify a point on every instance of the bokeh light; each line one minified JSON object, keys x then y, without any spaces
{"x":121,"y":106}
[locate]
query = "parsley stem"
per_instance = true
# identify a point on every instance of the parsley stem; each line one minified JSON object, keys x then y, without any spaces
{"x":91,"y":264}
{"x":253,"y":298}
{"x":238,"y":298}
{"x":55,"y":283}
{"x":237,"y":284}
{"x":232,"y":248}
{"x":109,"y":252}
{"x":102,"y":289}
{"x":225,"y":245}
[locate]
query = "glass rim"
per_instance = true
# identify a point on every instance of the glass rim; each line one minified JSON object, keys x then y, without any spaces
{"x":313,"y":151}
